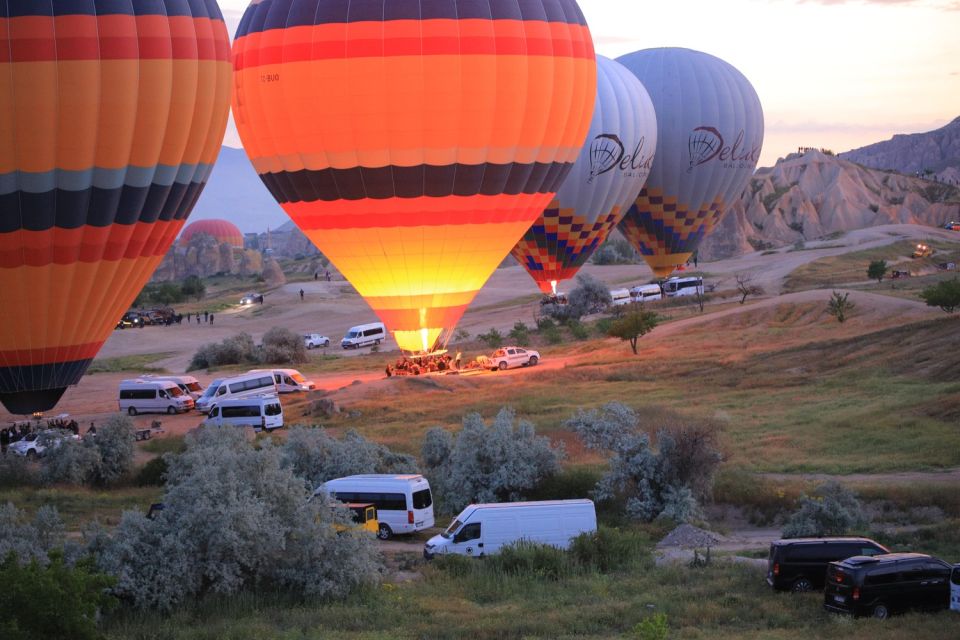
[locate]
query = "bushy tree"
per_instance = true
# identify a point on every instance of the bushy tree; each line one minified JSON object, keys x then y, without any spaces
{"x":633,"y":325}
{"x":877,"y":269}
{"x":51,"y":599}
{"x":831,"y":510}
{"x":589,"y":296}
{"x":520,"y":334}
{"x":193,"y":287}
{"x":101,"y":459}
{"x":315,"y":455}
{"x":29,"y":541}
{"x":665,"y":481}
{"x":235,"y":517}
{"x":945,"y":294}
{"x":492,"y":338}
{"x":488,"y":464}
{"x":283,"y":346}
{"x":238,"y":349}
{"x":839,"y":306}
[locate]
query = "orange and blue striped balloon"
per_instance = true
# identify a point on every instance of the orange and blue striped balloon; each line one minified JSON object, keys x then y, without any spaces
{"x":414,"y":141}
{"x":111,"y":116}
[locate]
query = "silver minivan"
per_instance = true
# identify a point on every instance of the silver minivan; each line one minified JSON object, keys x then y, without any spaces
{"x":260,"y":412}
{"x":153,"y":396}
{"x":242,"y":386}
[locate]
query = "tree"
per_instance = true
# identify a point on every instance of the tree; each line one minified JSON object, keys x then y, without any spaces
{"x":831,"y":510}
{"x":227,"y":262}
{"x":315,"y":455}
{"x":877,"y":269}
{"x":633,"y":325}
{"x":590,"y":296}
{"x":945,"y":294}
{"x":282,"y":346}
{"x":652,"y":482}
{"x":839,"y":306}
{"x":102,"y":459}
{"x":520,"y":334}
{"x":488,"y":464}
{"x":492,"y":338}
{"x":745,"y":288}
{"x":193,"y":287}
{"x":235,"y":518}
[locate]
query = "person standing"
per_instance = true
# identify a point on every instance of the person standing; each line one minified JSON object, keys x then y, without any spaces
{"x":206,"y":316}
{"x":4,"y":440}
{"x":211,"y":318}
{"x":456,"y":360}
{"x":198,"y":317}
{"x":301,"y":295}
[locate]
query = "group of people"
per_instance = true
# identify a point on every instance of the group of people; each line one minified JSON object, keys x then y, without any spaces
{"x":22,"y":430}
{"x":207,"y":317}
{"x":428,"y":363}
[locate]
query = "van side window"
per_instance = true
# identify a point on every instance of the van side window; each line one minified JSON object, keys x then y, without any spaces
{"x":468,"y":532}
{"x":888,"y":576}
{"x":273,"y":409}
{"x":422,"y":499}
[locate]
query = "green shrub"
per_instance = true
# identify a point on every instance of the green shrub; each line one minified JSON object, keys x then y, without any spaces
{"x":607,"y":550}
{"x":578,"y":330}
{"x":153,"y":473}
{"x":52,"y":601}
{"x":552,"y":335}
{"x":534,"y":560}
{"x":16,"y":472}
{"x":831,"y":510}
{"x":238,"y":349}
{"x":520,"y":334}
{"x":492,"y":338}
{"x":283,"y":346}
{"x":653,"y":628}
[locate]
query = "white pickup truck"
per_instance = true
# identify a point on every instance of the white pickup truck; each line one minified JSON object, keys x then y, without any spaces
{"x":314,"y":340}
{"x":508,"y":357}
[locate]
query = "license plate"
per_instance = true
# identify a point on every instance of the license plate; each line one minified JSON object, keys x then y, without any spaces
{"x":839,"y":599}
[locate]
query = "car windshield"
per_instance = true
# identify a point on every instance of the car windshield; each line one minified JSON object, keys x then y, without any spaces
{"x":352,"y":334}
{"x":194,"y":386}
{"x":175,"y":392}
{"x":452,"y":529}
{"x":211,"y":390}
{"x":298,"y":377}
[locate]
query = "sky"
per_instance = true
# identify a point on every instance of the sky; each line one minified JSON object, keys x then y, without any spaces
{"x":835,"y":74}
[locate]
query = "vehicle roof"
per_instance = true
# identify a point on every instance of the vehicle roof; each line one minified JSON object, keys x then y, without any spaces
{"x":367,"y":324}
{"x":410,"y":477}
{"x":884,"y":559}
{"x":788,"y":541}
{"x":262,"y":397}
{"x":532,"y":503}
{"x":166,"y":384}
{"x":248,"y":374}
{"x":171,"y":376}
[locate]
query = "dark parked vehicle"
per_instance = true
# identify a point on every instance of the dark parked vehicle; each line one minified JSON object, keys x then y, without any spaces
{"x":800,"y":564}
{"x":881,"y":585}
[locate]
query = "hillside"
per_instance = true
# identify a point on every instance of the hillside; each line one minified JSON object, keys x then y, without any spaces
{"x":813,"y":195}
{"x":936,"y":152}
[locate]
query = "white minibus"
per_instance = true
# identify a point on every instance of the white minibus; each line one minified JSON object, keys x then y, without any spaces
{"x":288,"y":380}
{"x":188,"y":384}
{"x":482,"y":529}
{"x":259,"y":412}
{"x":645,"y":293}
{"x":683,"y":287}
{"x":620,"y":297}
{"x":153,"y":396}
{"x":404,"y":502}
{"x":363,"y":335}
{"x":242,"y":386}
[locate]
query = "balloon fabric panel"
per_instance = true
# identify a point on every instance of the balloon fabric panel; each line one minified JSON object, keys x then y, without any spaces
{"x":413,"y":142}
{"x":111,"y":115}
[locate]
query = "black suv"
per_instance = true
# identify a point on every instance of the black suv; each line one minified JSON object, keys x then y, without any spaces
{"x":800,"y":564}
{"x":880,"y":585}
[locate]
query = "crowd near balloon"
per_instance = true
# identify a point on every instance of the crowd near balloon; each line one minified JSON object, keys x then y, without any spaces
{"x":416,"y":143}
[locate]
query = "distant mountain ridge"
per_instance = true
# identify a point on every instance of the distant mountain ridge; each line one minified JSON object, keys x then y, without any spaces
{"x":935,"y":153}
{"x":812,"y":195}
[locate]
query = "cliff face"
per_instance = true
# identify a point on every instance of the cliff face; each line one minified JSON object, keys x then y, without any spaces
{"x":934,"y":153}
{"x":809,"y":196}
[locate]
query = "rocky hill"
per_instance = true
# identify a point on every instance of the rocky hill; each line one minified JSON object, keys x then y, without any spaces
{"x":813,"y":195}
{"x":934,"y":153}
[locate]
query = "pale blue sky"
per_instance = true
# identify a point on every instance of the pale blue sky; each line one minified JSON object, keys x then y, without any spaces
{"x":830,"y":73}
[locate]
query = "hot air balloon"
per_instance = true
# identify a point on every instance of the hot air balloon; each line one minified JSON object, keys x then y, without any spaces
{"x":413,"y":142}
{"x":709,"y":134}
{"x":219,"y":230}
{"x":606,"y":178}
{"x":111,"y":115}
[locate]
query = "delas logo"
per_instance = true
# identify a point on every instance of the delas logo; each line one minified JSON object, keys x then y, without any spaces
{"x":607,"y":153}
{"x":706,"y":144}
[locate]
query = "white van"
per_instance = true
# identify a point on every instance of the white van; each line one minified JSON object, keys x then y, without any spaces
{"x":188,"y":384}
{"x":620,"y":297}
{"x":288,"y":380}
{"x":404,"y":502}
{"x":482,"y":529}
{"x":363,"y":335}
{"x":645,"y":293}
{"x":259,"y":412}
{"x":243,"y":386}
{"x":153,"y":396}
{"x":683,"y":287}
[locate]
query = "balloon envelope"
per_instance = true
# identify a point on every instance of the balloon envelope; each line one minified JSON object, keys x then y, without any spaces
{"x":709,"y":135}
{"x":413,"y":142}
{"x":111,"y":116}
{"x":612,"y":166}
{"x":219,"y":230}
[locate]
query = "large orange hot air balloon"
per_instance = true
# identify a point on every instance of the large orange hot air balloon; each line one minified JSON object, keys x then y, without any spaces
{"x":219,"y":230}
{"x":111,"y":115}
{"x":414,"y":141}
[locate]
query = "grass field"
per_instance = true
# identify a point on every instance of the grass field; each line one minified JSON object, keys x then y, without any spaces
{"x":482,"y":600}
{"x":141,"y":363}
